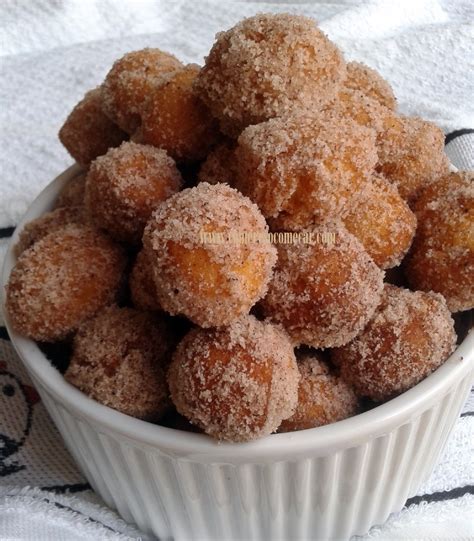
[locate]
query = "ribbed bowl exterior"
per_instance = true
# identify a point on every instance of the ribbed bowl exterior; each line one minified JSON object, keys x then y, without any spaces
{"x":325,"y":483}
{"x":315,"y":497}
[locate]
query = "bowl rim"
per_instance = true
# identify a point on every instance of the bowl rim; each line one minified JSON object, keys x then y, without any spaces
{"x":315,"y":441}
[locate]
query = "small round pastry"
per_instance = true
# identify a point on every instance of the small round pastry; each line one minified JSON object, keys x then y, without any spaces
{"x":426,"y":201}
{"x":411,"y":155}
{"x":119,"y":359}
{"x":175,"y":119}
{"x":266,"y":65}
{"x":88,"y":132}
{"x":383,"y":222}
{"x":410,"y":335}
{"x":49,"y":222}
{"x":363,"y":109}
{"x":142,"y":285}
{"x":323,"y":398}
{"x":62,"y":280}
{"x":72,"y":194}
{"x":236,"y":383}
{"x":368,"y":81}
{"x":219,"y":165}
{"x":201,"y":268}
{"x":304,"y":169}
{"x":130,"y":83}
{"x":126,"y":185}
{"x":442,"y":255}
{"x":323,"y":293}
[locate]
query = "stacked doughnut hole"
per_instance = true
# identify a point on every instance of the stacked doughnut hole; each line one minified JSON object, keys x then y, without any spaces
{"x":225,"y":256}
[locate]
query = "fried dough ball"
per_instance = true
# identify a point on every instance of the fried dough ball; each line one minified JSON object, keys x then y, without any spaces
{"x":323,"y":293}
{"x":323,"y":398}
{"x":368,"y":81}
{"x":410,"y":335}
{"x":200,"y":270}
{"x":426,"y":201}
{"x":411,"y":155}
{"x":49,"y":222}
{"x":88,"y":132}
{"x":266,"y":65}
{"x":442,"y":256}
{"x":237,"y":383}
{"x":72,"y":194}
{"x":131,"y":82}
{"x":219,"y":165}
{"x":62,"y":280}
{"x":363,"y":109}
{"x":119,"y":359}
{"x":142,"y":285}
{"x":302,"y":170}
{"x":126,"y":185}
{"x":174,"y":118}
{"x":383,"y":222}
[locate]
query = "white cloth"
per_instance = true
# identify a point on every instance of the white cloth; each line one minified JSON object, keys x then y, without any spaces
{"x":63,"y":507}
{"x":52,"y":52}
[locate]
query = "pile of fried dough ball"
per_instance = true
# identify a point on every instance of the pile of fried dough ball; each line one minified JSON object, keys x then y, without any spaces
{"x":275,"y":134}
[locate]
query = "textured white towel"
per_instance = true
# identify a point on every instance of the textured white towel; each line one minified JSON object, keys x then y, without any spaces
{"x":423,"y":47}
{"x":51,"y":52}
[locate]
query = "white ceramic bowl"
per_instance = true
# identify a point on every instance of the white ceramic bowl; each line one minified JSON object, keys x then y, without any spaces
{"x":328,"y":482}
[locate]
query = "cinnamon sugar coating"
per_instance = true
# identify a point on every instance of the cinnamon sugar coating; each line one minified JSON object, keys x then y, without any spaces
{"x":130,"y":83}
{"x":411,"y":155}
{"x":88,"y":132}
{"x":442,"y":256}
{"x":363,"y":109}
{"x":119,"y":358}
{"x":47,"y":223}
{"x":383,"y":222}
{"x":368,"y":81}
{"x":126,"y":185}
{"x":267,"y":65}
{"x":175,"y":119}
{"x":323,"y":398}
{"x":142,"y":284}
{"x":237,"y":383}
{"x":324,"y":294}
{"x":210,"y":283}
{"x":304,"y":169}
{"x":62,"y":280}
{"x":410,"y":335}
{"x":219,"y":165}
{"x":72,"y":194}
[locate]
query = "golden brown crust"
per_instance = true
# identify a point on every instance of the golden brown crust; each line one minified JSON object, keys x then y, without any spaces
{"x":211,"y":283}
{"x":88,"y":132}
{"x":142,"y":285}
{"x":47,"y":223}
{"x":323,"y":294}
{"x":442,"y":256}
{"x":126,"y":185}
{"x":411,"y":155}
{"x":130,"y":82}
{"x":323,"y":398}
{"x":237,"y":383}
{"x":119,"y":358}
{"x":368,"y":81}
{"x":62,"y":280}
{"x":72,"y":194}
{"x":175,"y":119}
{"x":304,"y":169}
{"x":267,"y":65}
{"x":383,"y":222}
{"x":219,"y":165}
{"x":410,"y":335}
